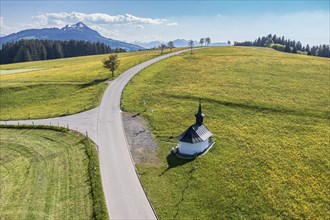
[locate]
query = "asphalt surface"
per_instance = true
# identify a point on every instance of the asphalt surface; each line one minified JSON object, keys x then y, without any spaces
{"x":84,"y":122}
{"x":124,"y":195}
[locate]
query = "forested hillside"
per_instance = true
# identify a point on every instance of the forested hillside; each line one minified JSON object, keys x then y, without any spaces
{"x":287,"y":45}
{"x":32,"y":50}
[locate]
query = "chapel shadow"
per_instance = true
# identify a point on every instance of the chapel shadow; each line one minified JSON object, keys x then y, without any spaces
{"x":174,"y":161}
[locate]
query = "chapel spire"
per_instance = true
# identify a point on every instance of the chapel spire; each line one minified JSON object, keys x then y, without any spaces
{"x":199,"y":116}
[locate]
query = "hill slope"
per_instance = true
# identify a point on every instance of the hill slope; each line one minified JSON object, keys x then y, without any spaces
{"x":59,"y":87}
{"x":269,"y":113}
{"x":45,"y":175}
{"x":77,"y":31}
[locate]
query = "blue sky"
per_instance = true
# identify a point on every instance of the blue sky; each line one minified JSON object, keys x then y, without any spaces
{"x":307,"y":21}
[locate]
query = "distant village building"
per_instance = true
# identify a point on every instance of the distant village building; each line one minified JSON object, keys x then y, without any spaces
{"x":196,"y":140}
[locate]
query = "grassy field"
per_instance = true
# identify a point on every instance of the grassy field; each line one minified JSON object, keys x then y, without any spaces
{"x":269,"y":113}
{"x":49,"y":174}
{"x":59,"y":87}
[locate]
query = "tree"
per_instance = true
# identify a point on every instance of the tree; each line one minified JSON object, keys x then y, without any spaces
{"x":287,"y":48}
{"x":201,"y":41}
{"x":299,"y":45}
{"x":191,"y":45}
{"x":42,"y":52}
{"x":294,"y":50}
{"x":162,"y":47}
{"x":308,"y":50}
{"x":269,"y":42}
{"x":23,"y":55}
{"x":228,"y":42}
{"x":111,"y":63}
{"x":275,"y":39}
{"x":57,"y":50}
{"x":287,"y":45}
{"x":170,"y":44}
{"x":208,"y":41}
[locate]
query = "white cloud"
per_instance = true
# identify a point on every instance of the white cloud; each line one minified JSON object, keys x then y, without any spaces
{"x":107,"y":32}
{"x":4,"y":29}
{"x":139,"y":26}
{"x":172,"y":24}
{"x":1,"y":21}
{"x":61,"y":18}
{"x":310,"y":27}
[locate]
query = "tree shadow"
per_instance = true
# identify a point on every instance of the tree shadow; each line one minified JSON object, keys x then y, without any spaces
{"x":92,"y":83}
{"x":258,"y":108}
{"x":174,"y":161}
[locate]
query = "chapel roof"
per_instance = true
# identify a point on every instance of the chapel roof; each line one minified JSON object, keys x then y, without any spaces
{"x":195,"y":134}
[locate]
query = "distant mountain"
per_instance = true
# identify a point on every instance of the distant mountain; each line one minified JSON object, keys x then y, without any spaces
{"x":216,"y":44}
{"x":177,"y":43}
{"x":147,"y":45}
{"x":77,"y":31}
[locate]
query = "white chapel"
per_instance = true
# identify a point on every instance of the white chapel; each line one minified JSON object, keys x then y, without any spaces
{"x":196,"y":140}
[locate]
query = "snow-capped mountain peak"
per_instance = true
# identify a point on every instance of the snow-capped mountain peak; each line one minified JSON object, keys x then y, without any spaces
{"x":78,"y":31}
{"x":79,"y":26}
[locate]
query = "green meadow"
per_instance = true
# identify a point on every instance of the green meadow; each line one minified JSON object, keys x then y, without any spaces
{"x":269,"y":113}
{"x":59,"y":87}
{"x":49,"y":174}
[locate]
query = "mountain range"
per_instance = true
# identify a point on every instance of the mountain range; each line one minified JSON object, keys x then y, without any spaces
{"x":78,"y":31}
{"x":177,"y":43}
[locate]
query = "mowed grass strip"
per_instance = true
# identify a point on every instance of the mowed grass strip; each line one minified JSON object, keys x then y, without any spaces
{"x":49,"y":174}
{"x":60,"y":87}
{"x":269,"y":113}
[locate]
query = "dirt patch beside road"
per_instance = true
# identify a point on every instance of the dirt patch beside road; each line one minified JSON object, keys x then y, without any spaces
{"x":142,"y":145}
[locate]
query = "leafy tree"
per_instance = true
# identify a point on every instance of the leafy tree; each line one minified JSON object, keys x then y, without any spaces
{"x":162,"y":47}
{"x":278,"y":47}
{"x":170,"y":45}
{"x":191,"y":45}
{"x":112,"y":63}
{"x":228,"y":42}
{"x":201,"y":41}
{"x":208,"y":41}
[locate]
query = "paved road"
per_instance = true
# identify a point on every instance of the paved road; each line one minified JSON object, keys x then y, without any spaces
{"x":82,"y":122}
{"x":125,"y":197}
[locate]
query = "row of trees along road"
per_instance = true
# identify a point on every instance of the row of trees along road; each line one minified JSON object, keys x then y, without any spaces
{"x":112,"y":62}
{"x":287,"y":45}
{"x":169,"y":45}
{"x":203,"y":42}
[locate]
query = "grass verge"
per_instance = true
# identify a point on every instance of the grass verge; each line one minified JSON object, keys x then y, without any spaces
{"x":49,"y":173}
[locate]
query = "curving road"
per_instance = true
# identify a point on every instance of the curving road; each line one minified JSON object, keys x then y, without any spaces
{"x":124,"y":195}
{"x":127,"y":199}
